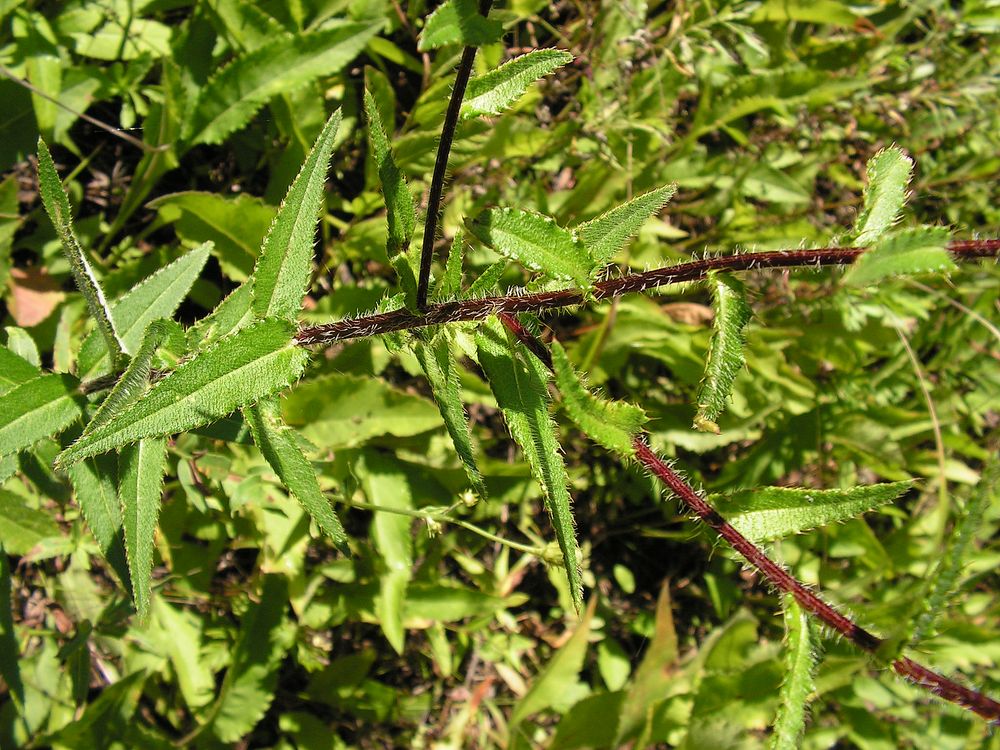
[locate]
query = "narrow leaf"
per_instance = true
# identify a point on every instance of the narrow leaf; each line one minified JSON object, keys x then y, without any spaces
{"x":56,"y":204}
{"x":41,"y":407}
{"x":519,"y":384}
{"x":920,"y":250}
{"x":157,"y":296}
{"x":95,"y":482}
{"x":398,"y":200}
{"x":458,"y":22}
{"x":536,"y":241}
{"x":14,"y":370}
{"x":10,"y":652}
{"x":613,"y":424}
{"x":450,"y":285}
{"x":281,"y":275}
{"x":229,"y":316}
{"x":725,"y":352}
{"x":608,"y":233}
{"x":798,"y":686}
{"x":889,"y":172}
{"x":140,"y":490}
{"x":493,"y":92}
{"x":278,"y":446}
{"x":488,"y":281}
{"x":238,"y":371}
{"x":438,"y":361}
{"x":230,"y":98}
{"x":773,"y":512}
{"x":23,"y":528}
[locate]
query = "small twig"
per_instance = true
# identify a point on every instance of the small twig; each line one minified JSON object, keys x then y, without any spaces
{"x":480,"y":309}
{"x":441,"y":165}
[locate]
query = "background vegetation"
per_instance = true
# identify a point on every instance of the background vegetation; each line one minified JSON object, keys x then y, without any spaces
{"x":260,"y":633}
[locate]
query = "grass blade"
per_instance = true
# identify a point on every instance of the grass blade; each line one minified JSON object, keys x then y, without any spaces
{"x":238,"y":371}
{"x":278,"y":446}
{"x":493,"y":92}
{"x":281,"y":275}
{"x":519,"y":384}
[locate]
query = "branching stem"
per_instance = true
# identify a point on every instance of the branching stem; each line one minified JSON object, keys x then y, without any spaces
{"x":480,"y":309}
{"x":441,"y":165}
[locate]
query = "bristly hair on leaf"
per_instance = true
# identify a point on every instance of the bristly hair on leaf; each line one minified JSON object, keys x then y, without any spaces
{"x":888,"y":175}
{"x":608,"y":233}
{"x":492,"y":92}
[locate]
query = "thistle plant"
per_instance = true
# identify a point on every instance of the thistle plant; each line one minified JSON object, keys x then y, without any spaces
{"x":143,"y":378}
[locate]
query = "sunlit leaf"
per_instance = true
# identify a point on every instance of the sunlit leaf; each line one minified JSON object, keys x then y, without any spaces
{"x":140,"y":489}
{"x":800,"y":661}
{"x":39,"y":408}
{"x":889,"y":173}
{"x":398,"y":200}
{"x":458,"y":22}
{"x":281,"y":275}
{"x":492,"y":92}
{"x":608,"y":233}
{"x":14,"y":370}
{"x":910,"y":251}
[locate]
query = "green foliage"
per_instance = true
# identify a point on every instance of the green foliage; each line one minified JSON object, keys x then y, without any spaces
{"x":888,"y":176}
{"x":142,"y":466}
{"x":492,"y":92}
{"x":608,"y":233}
{"x":519,"y":385}
{"x":36,"y":409}
{"x":725,"y":353}
{"x":774,"y":512}
{"x":535,"y":241}
{"x":398,"y":200}
{"x":458,"y":22}
{"x":909,"y":251}
{"x":10,"y":668}
{"x":798,"y":686}
{"x":281,"y":275}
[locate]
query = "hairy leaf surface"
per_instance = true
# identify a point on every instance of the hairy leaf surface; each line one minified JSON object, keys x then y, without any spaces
{"x":519,"y":384}
{"x":140,"y":490}
{"x":773,"y":512}
{"x":613,"y":424}
{"x":438,"y":362}
{"x":281,"y":275}
{"x":400,"y":213}
{"x":608,"y":233}
{"x":56,"y":204}
{"x":95,"y":482}
{"x":889,"y":173}
{"x":39,"y":408}
{"x":458,"y":22}
{"x":725,"y":352}
{"x":492,"y":92}
{"x":230,"y":98}
{"x":229,"y":316}
{"x":800,"y":661}
{"x":257,"y":361}
{"x":910,"y":251}
{"x":14,"y":370}
{"x":278,"y":446}
{"x":157,"y":296}
{"x":536,"y":241}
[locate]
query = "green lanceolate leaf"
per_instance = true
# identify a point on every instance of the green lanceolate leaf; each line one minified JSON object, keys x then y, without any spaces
{"x":608,"y":233}
{"x":800,"y":661}
{"x":488,"y":281}
{"x":56,"y":204}
{"x":140,"y":490}
{"x":725,"y":352}
{"x":14,"y":370}
{"x":889,"y":172}
{"x":10,"y":653}
{"x":229,"y":316}
{"x":450,"y":285}
{"x":398,"y":200}
{"x":519,"y":384}
{"x":281,"y":275}
{"x":95,"y":483}
{"x":155,"y":297}
{"x":491,"y":93}
{"x":248,"y":687}
{"x":458,"y":22}
{"x":536,"y":241}
{"x":134,"y":381}
{"x":438,"y":361}
{"x":920,"y":250}
{"x":278,"y":446}
{"x":238,"y":371}
{"x":41,"y":407}
{"x":230,"y":98}
{"x":773,"y":512}
{"x":613,"y":424}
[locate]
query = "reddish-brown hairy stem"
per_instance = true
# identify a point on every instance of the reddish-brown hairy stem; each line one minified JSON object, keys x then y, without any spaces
{"x":480,"y":309}
{"x":436,"y":191}
{"x":782,"y":580}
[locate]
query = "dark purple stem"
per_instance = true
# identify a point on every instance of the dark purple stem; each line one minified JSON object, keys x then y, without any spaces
{"x":480,"y":309}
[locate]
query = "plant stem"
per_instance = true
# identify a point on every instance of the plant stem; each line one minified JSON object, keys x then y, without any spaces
{"x":441,"y":165}
{"x":780,"y":578}
{"x":480,"y":309}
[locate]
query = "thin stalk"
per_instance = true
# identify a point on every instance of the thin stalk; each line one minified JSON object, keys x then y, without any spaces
{"x":441,"y":165}
{"x":780,"y":578}
{"x":480,"y":309}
